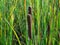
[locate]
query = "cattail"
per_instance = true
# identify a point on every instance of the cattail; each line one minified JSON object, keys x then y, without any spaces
{"x":48,"y":30}
{"x":29,"y":11}
{"x":29,"y":21}
{"x":59,"y":33}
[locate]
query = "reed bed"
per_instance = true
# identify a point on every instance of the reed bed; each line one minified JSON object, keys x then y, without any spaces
{"x":29,"y":22}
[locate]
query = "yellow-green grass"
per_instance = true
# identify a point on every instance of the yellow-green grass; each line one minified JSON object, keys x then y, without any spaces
{"x":45,"y":22}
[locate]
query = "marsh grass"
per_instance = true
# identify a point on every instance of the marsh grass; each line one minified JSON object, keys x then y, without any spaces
{"x":45,"y":23}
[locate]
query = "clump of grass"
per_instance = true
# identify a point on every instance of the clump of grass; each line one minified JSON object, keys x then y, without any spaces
{"x":42,"y":29}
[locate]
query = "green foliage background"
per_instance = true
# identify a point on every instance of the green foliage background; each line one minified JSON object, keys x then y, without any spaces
{"x":45,"y":22}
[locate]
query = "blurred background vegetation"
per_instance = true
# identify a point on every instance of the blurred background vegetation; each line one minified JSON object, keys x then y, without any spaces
{"x":29,"y":22}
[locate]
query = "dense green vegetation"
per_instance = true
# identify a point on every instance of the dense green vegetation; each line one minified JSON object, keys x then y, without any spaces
{"x":45,"y":22}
